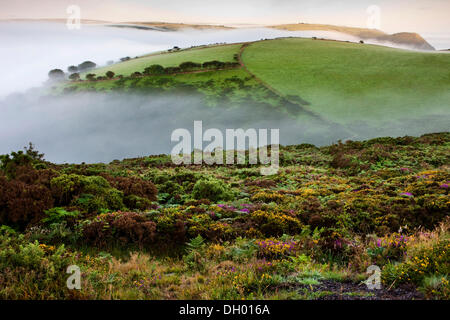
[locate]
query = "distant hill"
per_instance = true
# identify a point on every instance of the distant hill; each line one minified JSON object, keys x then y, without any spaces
{"x":412,"y":40}
{"x":159,"y":26}
{"x":172,"y":26}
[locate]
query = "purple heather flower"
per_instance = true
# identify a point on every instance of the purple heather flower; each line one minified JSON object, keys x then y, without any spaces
{"x":245,"y":210}
{"x":408,"y":194}
{"x":221,"y":205}
{"x":379,"y":243}
{"x":444,"y":186}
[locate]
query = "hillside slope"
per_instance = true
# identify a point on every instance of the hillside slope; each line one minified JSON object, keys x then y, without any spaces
{"x":413,"y":40}
{"x":224,"y":53}
{"x":353,"y":83}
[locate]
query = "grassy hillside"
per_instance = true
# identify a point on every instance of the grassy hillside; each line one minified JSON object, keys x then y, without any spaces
{"x":411,"y":40}
{"x":357,"y":91}
{"x":350,"y":83}
{"x":223,"y":53}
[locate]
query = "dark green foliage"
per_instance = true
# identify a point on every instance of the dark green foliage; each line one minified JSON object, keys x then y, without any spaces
{"x":189,"y":65}
{"x":74,"y":77}
{"x":58,"y":215}
{"x":87,"y":65}
{"x":155,"y":69}
{"x":211,"y":189}
{"x":91,"y":76}
{"x":72,"y":69}
{"x":110,"y":74}
{"x":56,"y":75}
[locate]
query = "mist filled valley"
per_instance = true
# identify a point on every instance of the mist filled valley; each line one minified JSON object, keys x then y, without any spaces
{"x":299,"y":154}
{"x":101,"y":126}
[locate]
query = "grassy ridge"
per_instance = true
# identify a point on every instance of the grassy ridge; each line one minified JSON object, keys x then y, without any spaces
{"x":348,"y":82}
{"x":198,"y":55}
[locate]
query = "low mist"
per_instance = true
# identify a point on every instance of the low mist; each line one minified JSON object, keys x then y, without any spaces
{"x":101,"y":127}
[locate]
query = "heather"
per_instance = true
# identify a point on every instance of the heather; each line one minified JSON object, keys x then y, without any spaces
{"x":145,"y":228}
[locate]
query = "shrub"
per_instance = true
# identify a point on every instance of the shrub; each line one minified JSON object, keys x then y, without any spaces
{"x":92,"y":193}
{"x":171,"y":70}
{"x":33,"y":270}
{"x":74,"y":77}
{"x":125,"y":227}
{"x":91,"y":76}
{"x":211,"y":189}
{"x":72,"y":69}
{"x":213,"y":64}
{"x":21,"y":203}
{"x":431,"y":260}
{"x":110,"y":74}
{"x":272,"y":248}
{"x":65,"y":188}
{"x":86,"y":65}
{"x":268,"y":197}
{"x":189,"y":65}
{"x":154,"y":69}
{"x":275,"y":223}
{"x":436,"y":286}
{"x":58,"y":215}
{"x":28,"y":158}
{"x":139,"y":203}
{"x":134,"y":186}
{"x":56,"y":75}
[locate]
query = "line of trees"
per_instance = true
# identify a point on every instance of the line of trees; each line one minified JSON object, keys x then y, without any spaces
{"x":157,"y":69}
{"x":73,"y":71}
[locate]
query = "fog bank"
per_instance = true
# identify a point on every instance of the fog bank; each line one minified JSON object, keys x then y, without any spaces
{"x":101,"y":127}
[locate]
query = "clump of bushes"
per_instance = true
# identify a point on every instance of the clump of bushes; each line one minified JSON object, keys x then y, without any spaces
{"x":24,"y":190}
{"x":92,"y":193}
{"x":212,"y":189}
{"x":155,"y":69}
{"x":21,"y":203}
{"x":138,"y":193}
{"x":38,"y":268}
{"x":189,"y":65}
{"x":126,"y":227}
{"x":275,"y":223}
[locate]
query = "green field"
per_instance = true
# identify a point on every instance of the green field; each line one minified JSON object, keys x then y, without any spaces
{"x":222,"y":53}
{"x":347,"y":82}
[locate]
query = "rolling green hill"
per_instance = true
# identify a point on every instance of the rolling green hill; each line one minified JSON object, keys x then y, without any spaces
{"x":365,"y":90}
{"x":222,"y":53}
{"x":348,"y":82}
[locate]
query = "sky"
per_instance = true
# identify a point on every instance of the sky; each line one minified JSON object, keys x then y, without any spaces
{"x":423,"y":16}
